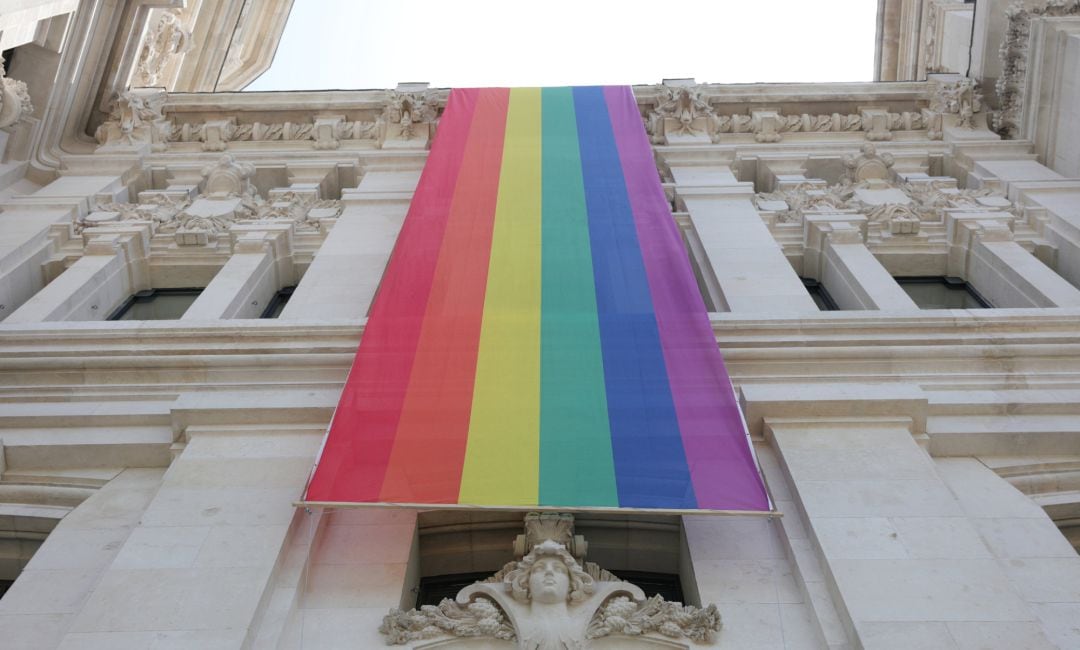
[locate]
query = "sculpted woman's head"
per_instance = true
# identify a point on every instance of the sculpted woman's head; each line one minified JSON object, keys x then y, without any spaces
{"x":549,"y":575}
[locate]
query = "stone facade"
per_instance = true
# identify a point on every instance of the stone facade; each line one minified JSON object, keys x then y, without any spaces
{"x":926,"y":462}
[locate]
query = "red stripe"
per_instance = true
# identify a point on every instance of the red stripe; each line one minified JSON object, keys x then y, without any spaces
{"x":354,"y":459}
{"x":426,"y":462}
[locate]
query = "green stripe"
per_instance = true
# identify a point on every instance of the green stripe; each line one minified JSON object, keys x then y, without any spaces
{"x":576,"y":465}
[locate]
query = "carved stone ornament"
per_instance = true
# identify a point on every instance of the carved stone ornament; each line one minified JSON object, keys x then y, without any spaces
{"x":136,"y":117}
{"x":167,"y":38}
{"x":867,"y":165}
{"x":228,"y":198}
{"x":954,"y":101}
{"x":408,"y":116}
{"x":1014,"y":58}
{"x":900,"y":208}
{"x":681,"y":111}
{"x":550,"y":600}
{"x":14,"y":99}
{"x":684,"y":114}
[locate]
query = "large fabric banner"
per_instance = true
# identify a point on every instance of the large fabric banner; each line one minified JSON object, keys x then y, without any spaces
{"x":538,"y":339}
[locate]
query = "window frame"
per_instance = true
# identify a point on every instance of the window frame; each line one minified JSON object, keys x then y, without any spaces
{"x":950,"y":282}
{"x":148,"y":295}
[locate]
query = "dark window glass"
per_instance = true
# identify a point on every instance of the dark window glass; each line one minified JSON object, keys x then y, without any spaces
{"x":821,"y":297}
{"x":433,"y":589}
{"x":156,"y":304}
{"x":4,"y":586}
{"x":942,"y":293}
{"x":278,"y":302}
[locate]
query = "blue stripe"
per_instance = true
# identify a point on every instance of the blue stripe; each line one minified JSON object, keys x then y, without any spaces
{"x":650,"y":465}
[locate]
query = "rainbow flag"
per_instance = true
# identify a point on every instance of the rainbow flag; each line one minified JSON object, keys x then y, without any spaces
{"x":538,"y":339}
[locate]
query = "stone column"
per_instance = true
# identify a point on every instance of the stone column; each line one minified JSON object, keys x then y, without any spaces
{"x":899,"y":541}
{"x":261,"y":263}
{"x":113,"y":267}
{"x":895,"y":543}
{"x":342,"y":280}
{"x":982,"y":251}
{"x":199,"y":563}
{"x":748,"y":264}
{"x":64,"y":571}
{"x":836,"y":256}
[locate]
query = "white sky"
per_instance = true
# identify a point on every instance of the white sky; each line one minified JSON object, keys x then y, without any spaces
{"x":353,"y":44}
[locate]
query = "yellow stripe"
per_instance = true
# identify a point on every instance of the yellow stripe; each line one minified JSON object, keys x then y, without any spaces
{"x":503,"y":450}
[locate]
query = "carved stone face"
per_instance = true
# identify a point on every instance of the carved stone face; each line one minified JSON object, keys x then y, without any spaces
{"x":549,"y":581}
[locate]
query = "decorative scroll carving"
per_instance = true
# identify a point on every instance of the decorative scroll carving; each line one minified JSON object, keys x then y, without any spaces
{"x":1014,"y":58}
{"x":167,"y":38}
{"x":228,"y":198}
{"x":136,"y":117}
{"x":685,"y":111}
{"x":14,"y":99}
{"x":548,"y":600}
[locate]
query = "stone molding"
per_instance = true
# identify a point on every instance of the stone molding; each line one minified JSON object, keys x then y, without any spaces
{"x":403,"y":120}
{"x":551,"y":599}
{"x":1014,"y":51}
{"x":692,"y":114}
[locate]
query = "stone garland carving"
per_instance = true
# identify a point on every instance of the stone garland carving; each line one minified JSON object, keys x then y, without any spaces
{"x":167,"y":38}
{"x":1014,"y":58}
{"x":14,"y":99}
{"x":279,"y":131}
{"x":228,"y":198}
{"x":407,"y":119}
{"x":686,"y":111}
{"x":549,"y":600}
{"x":927,"y":202}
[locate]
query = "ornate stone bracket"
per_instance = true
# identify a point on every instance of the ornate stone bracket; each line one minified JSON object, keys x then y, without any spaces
{"x":14,"y":99}
{"x":1014,"y":58}
{"x":550,"y":599}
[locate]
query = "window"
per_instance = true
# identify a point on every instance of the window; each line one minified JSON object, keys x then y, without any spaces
{"x":278,"y":302}
{"x":942,"y":293}
{"x":156,"y":304}
{"x":821,"y":297}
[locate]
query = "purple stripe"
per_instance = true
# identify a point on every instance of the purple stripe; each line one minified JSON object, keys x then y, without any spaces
{"x":721,"y":466}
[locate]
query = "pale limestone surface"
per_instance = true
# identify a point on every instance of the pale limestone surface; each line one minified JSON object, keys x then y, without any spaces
{"x":923,"y":461}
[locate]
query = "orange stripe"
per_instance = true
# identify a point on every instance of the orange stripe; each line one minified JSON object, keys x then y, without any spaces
{"x":429,"y":449}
